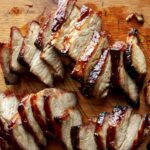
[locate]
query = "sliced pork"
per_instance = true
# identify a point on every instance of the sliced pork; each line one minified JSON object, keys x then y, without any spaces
{"x":16,"y":42}
{"x":118,"y":124}
{"x":28,"y":49}
{"x":147,"y":93}
{"x":10,"y":77}
{"x":134,"y":58}
{"x":120,"y":77}
{"x":83,"y":137}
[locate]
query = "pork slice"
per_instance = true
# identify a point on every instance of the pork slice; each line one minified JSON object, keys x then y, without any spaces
{"x":134,"y":58}
{"x":16,"y":42}
{"x":147,"y":93}
{"x":10,"y":77}
{"x":118,"y":124}
{"x":120,"y":77}
{"x":28,"y":49}
{"x":51,"y":57}
{"x":101,"y":130}
{"x":21,"y":138}
{"x":29,"y":122}
{"x":40,"y":69}
{"x":132,"y":131}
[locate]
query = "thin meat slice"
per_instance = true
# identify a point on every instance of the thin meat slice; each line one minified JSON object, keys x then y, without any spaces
{"x":28,"y":49}
{"x":134,"y":132}
{"x":134,"y":58}
{"x":51,"y":57}
{"x":101,"y":130}
{"x":83,"y":137}
{"x":120,"y":77}
{"x":16,"y":42}
{"x":29,"y":122}
{"x":10,"y":77}
{"x":40,"y":69}
{"x":20,"y":137}
{"x":118,"y":124}
{"x":63,"y":125}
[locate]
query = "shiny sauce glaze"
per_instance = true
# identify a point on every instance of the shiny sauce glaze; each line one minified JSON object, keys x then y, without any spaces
{"x":117,"y":115}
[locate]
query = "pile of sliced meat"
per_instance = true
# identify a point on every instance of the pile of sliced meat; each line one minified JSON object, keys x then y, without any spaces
{"x":31,"y":123}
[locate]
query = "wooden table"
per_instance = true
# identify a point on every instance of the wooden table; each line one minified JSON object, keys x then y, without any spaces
{"x":114,"y":13}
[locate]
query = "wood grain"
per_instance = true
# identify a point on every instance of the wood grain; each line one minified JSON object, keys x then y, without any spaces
{"x":114,"y":13}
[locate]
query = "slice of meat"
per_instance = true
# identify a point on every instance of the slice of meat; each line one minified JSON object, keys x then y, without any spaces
{"x":101,"y":130}
{"x":40,"y":69}
{"x":134,"y":132}
{"x":51,"y":57}
{"x":16,"y":42}
{"x":120,"y":77}
{"x":10,"y":78}
{"x":29,"y":122}
{"x":89,"y":56}
{"x":134,"y":58}
{"x":63,"y":125}
{"x":147,"y":93}
{"x":79,"y":38}
{"x":118,"y":124}
{"x":63,"y":12}
{"x":85,"y":136}
{"x":20,"y":137}
{"x":98,"y":81}
{"x":28,"y":49}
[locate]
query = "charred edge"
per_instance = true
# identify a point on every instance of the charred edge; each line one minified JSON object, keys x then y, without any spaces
{"x":134,"y":32}
{"x":123,"y":109}
{"x":27,"y":125}
{"x":39,"y":42}
{"x":134,"y":103}
{"x":148,"y":146}
{"x":15,"y":82}
{"x":87,"y":89}
{"x":75,"y":137}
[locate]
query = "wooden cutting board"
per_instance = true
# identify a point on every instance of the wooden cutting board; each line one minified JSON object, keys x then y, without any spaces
{"x":20,"y":12}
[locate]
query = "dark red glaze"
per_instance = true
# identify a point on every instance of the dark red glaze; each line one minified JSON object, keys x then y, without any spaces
{"x":75,"y":137}
{"x":26,"y":123}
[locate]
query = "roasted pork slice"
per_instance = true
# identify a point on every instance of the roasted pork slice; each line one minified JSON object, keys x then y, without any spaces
{"x":83,"y":137}
{"x":21,"y":139}
{"x":16,"y":42}
{"x":10,"y":77}
{"x":64,"y":123}
{"x":40,"y":69}
{"x":98,"y":81}
{"x":51,"y":57}
{"x":28,"y":49}
{"x":134,"y":58}
{"x":118,"y":124}
{"x":29,"y":122}
{"x":79,"y":38}
{"x":120,"y":77}
{"x":63,"y":12}
{"x":147,"y":93}
{"x":135,"y":132}
{"x":89,"y":56}
{"x":101,"y":130}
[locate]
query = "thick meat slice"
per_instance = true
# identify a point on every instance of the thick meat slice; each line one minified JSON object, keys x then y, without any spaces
{"x":84,"y":138}
{"x":80,"y":37}
{"x":10,"y":78}
{"x":98,"y":81}
{"x":16,"y":42}
{"x":41,"y":69}
{"x":51,"y":57}
{"x":29,"y":122}
{"x":134,"y":58}
{"x":63,"y":12}
{"x":135,"y":132}
{"x":89,"y":56}
{"x":118,"y":124}
{"x":20,"y":137}
{"x":101,"y":130}
{"x":28,"y":49}
{"x":120,"y":78}
{"x":147,"y":93}
{"x":63,"y":125}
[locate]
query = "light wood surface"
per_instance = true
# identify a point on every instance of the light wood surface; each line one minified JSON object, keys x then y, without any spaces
{"x":114,"y":13}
